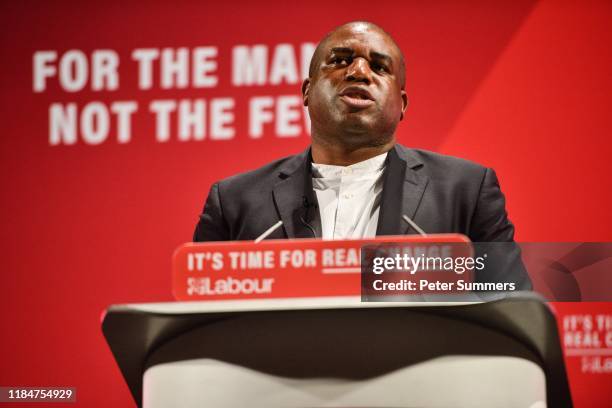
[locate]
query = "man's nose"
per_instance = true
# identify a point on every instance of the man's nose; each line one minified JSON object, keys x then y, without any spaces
{"x":359,"y":70}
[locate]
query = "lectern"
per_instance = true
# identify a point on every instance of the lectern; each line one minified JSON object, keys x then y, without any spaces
{"x":339,"y":352}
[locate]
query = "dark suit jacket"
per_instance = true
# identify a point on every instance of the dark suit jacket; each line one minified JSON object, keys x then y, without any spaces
{"x":440,"y":193}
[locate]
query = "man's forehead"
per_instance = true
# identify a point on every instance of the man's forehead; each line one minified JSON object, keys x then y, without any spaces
{"x":361,"y":35}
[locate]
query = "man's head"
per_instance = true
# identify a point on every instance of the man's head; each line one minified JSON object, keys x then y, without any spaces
{"x":355,"y":90}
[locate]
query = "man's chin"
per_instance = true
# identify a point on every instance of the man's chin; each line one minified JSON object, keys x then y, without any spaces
{"x":357,"y":123}
{"x":359,"y":134}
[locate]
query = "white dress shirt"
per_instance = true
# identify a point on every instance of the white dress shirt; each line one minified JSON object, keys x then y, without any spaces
{"x":349,"y":197}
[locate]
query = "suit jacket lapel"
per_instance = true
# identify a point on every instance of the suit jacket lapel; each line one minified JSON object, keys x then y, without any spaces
{"x":403,"y":188}
{"x":296,"y":202}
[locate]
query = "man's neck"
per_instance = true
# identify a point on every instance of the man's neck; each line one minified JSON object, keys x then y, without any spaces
{"x":343,"y":156}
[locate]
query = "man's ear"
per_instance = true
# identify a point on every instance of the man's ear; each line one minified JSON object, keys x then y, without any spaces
{"x":305,"y":90}
{"x":404,"y":103}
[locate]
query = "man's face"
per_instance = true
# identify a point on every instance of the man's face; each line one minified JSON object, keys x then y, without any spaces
{"x":355,"y":96}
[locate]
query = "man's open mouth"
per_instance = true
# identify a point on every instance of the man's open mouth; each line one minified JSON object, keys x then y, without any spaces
{"x":357,"y":93}
{"x":356,"y":97}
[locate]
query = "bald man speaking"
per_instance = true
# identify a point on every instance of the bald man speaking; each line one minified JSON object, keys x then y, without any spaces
{"x":355,"y":181}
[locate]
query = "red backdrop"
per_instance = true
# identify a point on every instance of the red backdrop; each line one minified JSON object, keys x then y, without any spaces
{"x":523,"y":87}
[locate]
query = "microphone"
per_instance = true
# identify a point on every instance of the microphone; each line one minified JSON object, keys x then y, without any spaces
{"x":413,"y":225}
{"x":307,"y":206}
{"x":268,"y":232}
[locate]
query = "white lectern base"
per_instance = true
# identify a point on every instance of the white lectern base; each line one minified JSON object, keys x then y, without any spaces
{"x":451,"y":381}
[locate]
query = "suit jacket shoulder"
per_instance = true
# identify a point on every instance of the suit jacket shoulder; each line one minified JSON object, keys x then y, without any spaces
{"x":441,"y":167}
{"x":462,"y":196}
{"x":243,"y":206}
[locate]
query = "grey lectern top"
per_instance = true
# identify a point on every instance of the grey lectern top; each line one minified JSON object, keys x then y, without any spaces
{"x":337,"y":337}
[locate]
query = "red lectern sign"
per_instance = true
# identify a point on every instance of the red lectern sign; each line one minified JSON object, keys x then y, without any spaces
{"x":291,"y":268}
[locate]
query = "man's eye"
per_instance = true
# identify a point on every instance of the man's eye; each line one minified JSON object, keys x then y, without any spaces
{"x":379,"y":67}
{"x":341,"y":60}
